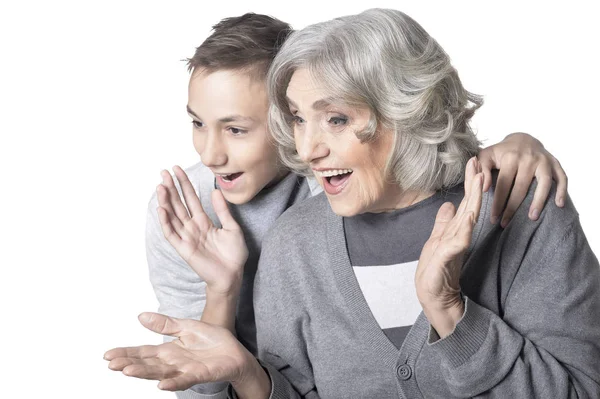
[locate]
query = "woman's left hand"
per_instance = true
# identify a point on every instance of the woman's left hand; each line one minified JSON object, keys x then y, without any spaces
{"x":201,"y":353}
{"x":521,"y":157}
{"x":438,"y":272}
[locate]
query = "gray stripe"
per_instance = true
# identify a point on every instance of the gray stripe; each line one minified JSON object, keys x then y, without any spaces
{"x":397,"y":335}
{"x":395,"y":237}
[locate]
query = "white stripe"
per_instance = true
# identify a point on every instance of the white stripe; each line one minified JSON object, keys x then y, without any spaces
{"x":390,"y":293}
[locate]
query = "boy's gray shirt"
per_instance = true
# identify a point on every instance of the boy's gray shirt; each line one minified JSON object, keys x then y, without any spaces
{"x":180,"y":291}
{"x":531,"y":327}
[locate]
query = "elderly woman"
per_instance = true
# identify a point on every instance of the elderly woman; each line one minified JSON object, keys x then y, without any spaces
{"x":362,"y":291}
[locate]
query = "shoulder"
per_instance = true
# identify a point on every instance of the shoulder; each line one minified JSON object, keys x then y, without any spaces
{"x":550,"y":228}
{"x":296,"y":232}
{"x":551,"y":214}
{"x":302,"y":217}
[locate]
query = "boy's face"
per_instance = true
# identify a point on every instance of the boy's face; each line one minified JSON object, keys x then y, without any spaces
{"x":229,"y":111}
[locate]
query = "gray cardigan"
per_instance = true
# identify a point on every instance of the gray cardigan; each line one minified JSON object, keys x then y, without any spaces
{"x":531,"y":327}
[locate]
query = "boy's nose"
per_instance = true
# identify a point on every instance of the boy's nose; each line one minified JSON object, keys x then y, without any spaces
{"x":215,"y":153}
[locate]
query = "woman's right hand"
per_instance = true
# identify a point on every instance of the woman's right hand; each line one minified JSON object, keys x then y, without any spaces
{"x":201,"y":353}
{"x":217,"y":255}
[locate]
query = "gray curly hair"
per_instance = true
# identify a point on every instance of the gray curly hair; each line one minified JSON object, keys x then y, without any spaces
{"x":384,"y":60}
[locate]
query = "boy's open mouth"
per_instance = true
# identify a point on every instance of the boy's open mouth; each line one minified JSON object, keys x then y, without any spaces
{"x":231,"y":177}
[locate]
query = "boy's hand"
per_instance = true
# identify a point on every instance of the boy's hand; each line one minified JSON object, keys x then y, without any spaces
{"x":521,"y":157}
{"x":217,"y":255}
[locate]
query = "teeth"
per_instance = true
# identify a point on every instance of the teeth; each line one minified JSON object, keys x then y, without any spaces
{"x":334,"y":172}
{"x":225,"y":176}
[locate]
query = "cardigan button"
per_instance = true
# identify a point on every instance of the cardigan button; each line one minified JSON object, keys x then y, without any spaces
{"x":404,"y":372}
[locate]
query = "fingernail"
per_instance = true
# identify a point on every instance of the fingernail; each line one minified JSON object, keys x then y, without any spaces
{"x":561,"y":202}
{"x":504,"y":223}
{"x":494,"y":219}
{"x":535,"y":214}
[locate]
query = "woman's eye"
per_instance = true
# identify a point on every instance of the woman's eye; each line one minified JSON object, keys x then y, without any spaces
{"x":337,"y":120}
{"x":297,"y":120}
{"x":197,"y":124}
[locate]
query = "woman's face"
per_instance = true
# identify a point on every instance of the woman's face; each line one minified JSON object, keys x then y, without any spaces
{"x":353,"y":174}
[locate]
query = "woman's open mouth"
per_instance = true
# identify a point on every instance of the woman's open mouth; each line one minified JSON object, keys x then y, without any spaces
{"x":334,"y":180}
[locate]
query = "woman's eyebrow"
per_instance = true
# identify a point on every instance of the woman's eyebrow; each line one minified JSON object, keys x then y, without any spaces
{"x":317,"y":105}
{"x":321,"y":104}
{"x":290,"y":102}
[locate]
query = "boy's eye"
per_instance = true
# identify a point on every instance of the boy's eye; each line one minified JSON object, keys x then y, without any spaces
{"x":338,"y":120}
{"x":237,"y":131}
{"x":197,"y":124}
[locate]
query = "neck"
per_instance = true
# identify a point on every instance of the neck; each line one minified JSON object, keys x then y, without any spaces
{"x":402,"y":199}
{"x":282,"y":173}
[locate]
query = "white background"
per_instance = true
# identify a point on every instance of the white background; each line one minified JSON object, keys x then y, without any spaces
{"x":92,"y":107}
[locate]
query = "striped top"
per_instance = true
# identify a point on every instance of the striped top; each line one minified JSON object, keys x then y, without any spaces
{"x":384,"y":250}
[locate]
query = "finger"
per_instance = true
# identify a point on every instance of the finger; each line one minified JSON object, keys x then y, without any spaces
{"x":167,"y":228}
{"x":476,"y":196}
{"x":544,"y":184}
{"x":160,"y":323}
{"x":472,"y":204}
{"x":162,"y":194}
{"x":470,"y":171}
{"x":179,"y":383}
{"x":166,"y":325}
{"x":443,"y":217}
{"x":463,"y":237}
{"x":151,"y":372}
{"x":517,"y":194}
{"x":189,"y":194}
{"x":562,"y":183}
{"x":174,"y":198}
{"x":453,"y":247}
{"x":119,"y":363}
{"x":114,"y":353}
{"x":486,"y":162}
{"x":222,"y":211}
{"x":138,"y":352}
{"x":503,"y":185}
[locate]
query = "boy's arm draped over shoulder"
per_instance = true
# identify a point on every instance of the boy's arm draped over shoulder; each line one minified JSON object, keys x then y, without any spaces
{"x":546,"y":342}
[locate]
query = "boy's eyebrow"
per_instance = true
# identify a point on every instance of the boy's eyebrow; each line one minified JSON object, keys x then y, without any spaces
{"x":225,"y":119}
{"x":189,"y":111}
{"x":235,"y":118}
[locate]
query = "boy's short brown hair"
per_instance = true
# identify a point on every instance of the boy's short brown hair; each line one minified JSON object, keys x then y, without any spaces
{"x":248,"y":42}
